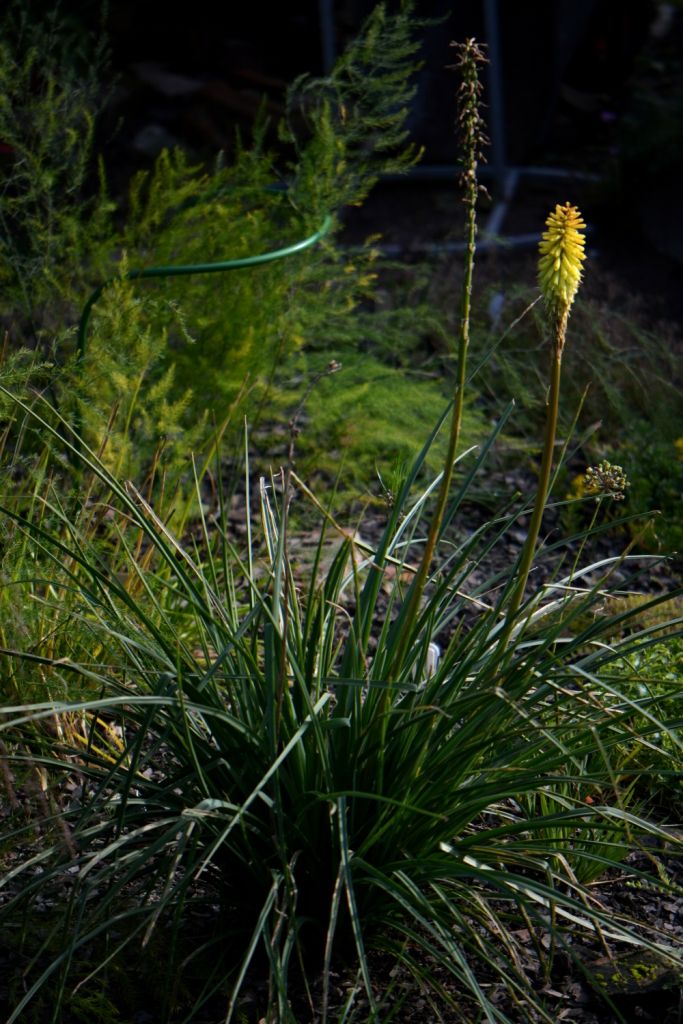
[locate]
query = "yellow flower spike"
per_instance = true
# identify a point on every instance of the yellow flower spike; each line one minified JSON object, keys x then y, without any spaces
{"x":559,"y":277}
{"x":562,"y":253}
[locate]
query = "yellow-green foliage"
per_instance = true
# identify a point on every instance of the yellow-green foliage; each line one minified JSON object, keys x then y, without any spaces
{"x":244,"y":321}
{"x":661,"y":616}
{"x":131,"y":403}
{"x":167,"y":359}
{"x":366,"y":419}
{"x":355,"y":117}
{"x":652,"y":677}
{"x":36,"y":614}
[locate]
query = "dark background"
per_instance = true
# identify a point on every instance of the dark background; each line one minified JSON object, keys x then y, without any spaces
{"x":587,"y":87}
{"x":563,"y":63}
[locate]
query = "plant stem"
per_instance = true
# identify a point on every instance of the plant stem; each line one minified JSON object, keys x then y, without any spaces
{"x":543,"y":483}
{"x":420,"y":581}
{"x":471,"y":128}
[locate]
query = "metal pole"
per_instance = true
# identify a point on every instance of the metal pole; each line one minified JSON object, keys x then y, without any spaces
{"x":496,"y":95}
{"x":328,"y":42}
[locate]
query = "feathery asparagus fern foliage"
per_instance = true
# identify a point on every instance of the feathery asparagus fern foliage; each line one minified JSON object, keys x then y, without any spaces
{"x":205,"y":343}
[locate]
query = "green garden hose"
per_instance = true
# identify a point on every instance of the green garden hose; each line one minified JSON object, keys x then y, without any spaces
{"x":196,"y":268}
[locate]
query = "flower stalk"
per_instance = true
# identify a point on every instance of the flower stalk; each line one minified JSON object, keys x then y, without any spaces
{"x":559,"y":275}
{"x":470,"y":127}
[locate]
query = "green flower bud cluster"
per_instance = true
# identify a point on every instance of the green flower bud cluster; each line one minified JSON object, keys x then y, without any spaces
{"x":606,"y":480}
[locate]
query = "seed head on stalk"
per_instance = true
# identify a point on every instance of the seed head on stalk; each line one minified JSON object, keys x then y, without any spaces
{"x":470,"y":126}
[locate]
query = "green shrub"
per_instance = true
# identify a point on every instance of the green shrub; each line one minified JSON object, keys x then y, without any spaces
{"x":199,"y":347}
{"x":651,"y":676}
{"x":54,"y":235}
{"x":655,"y":466}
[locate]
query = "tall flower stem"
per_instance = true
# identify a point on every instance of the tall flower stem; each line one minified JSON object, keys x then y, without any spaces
{"x":529,"y":548}
{"x":471,"y":130}
{"x":559,"y":274}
